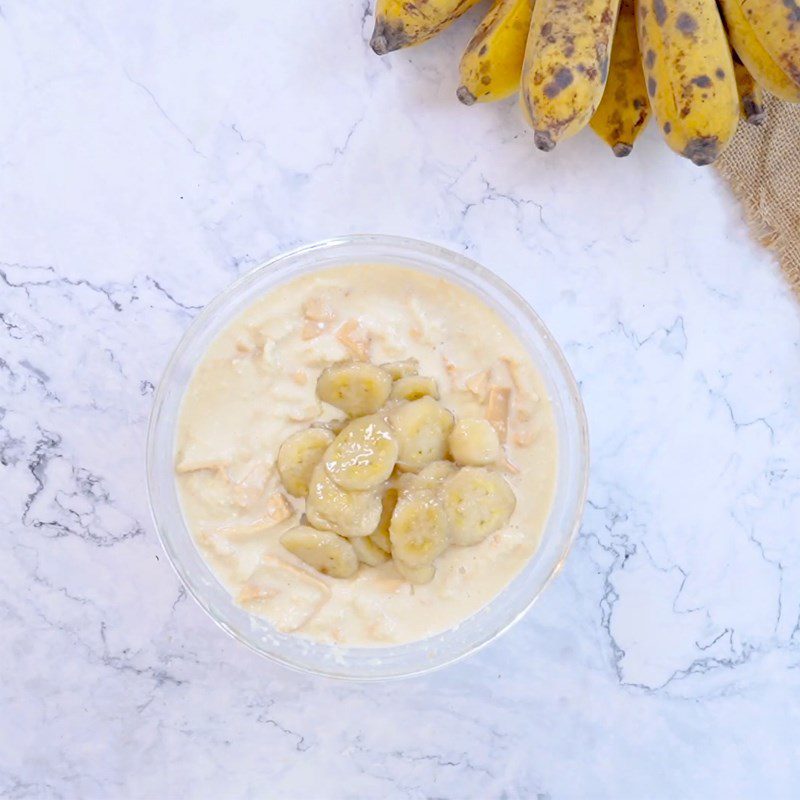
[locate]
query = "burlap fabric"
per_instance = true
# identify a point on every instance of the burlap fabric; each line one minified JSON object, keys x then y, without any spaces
{"x":762,"y":166}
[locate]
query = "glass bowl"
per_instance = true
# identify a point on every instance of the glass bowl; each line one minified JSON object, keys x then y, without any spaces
{"x":476,"y":631}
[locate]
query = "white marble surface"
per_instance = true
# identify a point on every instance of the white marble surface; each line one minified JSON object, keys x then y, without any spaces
{"x":150,"y":153}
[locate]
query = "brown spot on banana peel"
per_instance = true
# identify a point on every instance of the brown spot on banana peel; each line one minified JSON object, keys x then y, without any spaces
{"x":720,"y":73}
{"x":562,"y":78}
{"x":703,"y":81}
{"x":650,"y":59}
{"x":702,"y":150}
{"x":660,"y":11}
{"x":622,"y":149}
{"x":686,"y":24}
{"x":651,"y":86}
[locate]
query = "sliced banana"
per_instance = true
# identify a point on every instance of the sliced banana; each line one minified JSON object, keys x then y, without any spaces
{"x":355,"y":387}
{"x":418,"y":575}
{"x":363,"y":455}
{"x":380,"y":536}
{"x":435,"y":474}
{"x":477,"y":502}
{"x":421,"y":428}
{"x":418,"y":530}
{"x":474,"y":443}
{"x":326,"y":552}
{"x":331,"y":508}
{"x":298,"y":456}
{"x":412,"y":387}
{"x":401,"y":369}
{"x":368,"y":552}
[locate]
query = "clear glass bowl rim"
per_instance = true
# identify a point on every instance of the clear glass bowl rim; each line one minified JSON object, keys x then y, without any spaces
{"x":456,"y":267}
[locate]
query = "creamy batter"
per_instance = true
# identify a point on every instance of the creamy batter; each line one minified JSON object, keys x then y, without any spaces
{"x":256,"y":385}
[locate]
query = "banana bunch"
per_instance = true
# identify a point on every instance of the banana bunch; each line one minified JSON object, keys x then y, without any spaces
{"x":399,"y":479}
{"x":696,"y":66}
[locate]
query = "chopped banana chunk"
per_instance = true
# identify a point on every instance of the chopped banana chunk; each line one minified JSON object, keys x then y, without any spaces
{"x":330,"y":508}
{"x":354,"y":387}
{"x":421,"y":427}
{"x":474,"y":443}
{"x":477,"y":502}
{"x":418,"y":575}
{"x":324,"y":551}
{"x":402,"y":369}
{"x":412,"y":387}
{"x":368,"y":552}
{"x":363,"y":455}
{"x":418,"y":529}
{"x":298,"y":456}
{"x":380,"y":536}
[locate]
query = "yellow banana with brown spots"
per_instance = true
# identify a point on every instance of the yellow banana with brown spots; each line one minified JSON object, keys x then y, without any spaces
{"x":777,"y":25}
{"x":566,"y":65}
{"x":402,"y":23}
{"x":624,"y":110}
{"x":689,"y":74}
{"x":751,"y":97}
{"x":760,"y":61}
{"x":491,"y":66}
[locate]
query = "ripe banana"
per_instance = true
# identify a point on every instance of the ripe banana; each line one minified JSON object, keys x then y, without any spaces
{"x":751,"y":97}
{"x":624,"y":110}
{"x":566,"y":65}
{"x":354,"y":387}
{"x":491,"y":66}
{"x":689,"y":73}
{"x":298,"y":456}
{"x":753,"y":49}
{"x":402,"y":23}
{"x":474,"y":443}
{"x":777,"y":25}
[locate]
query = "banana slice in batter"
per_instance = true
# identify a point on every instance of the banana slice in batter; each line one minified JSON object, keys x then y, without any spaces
{"x":363,"y":455}
{"x":401,"y":369}
{"x":412,"y":387}
{"x":477,"y":502}
{"x":474,"y":443}
{"x":380,"y":536}
{"x":331,"y":508}
{"x":368,"y":552}
{"x":298,"y":456}
{"x":326,"y":552}
{"x":417,"y":575}
{"x":418,"y":530}
{"x":355,"y":387}
{"x":421,"y":428}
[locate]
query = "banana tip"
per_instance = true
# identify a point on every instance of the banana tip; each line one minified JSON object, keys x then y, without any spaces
{"x":379,"y":44}
{"x":622,"y":149}
{"x":465,"y":95}
{"x":544,"y":141}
